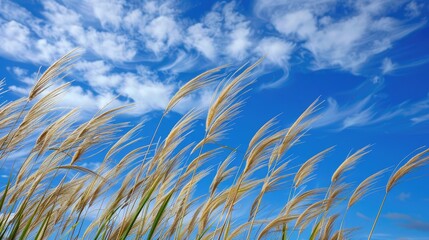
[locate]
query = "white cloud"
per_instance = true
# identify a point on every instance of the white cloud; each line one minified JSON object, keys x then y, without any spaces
{"x":276,"y":50}
{"x":109,"y":45}
{"x":119,"y":36}
{"x":62,"y":29}
{"x":108,"y":12}
{"x":19,"y":44}
{"x":12,"y":11}
{"x":59,"y":15}
{"x":223,"y":32}
{"x":76,"y":97}
{"x":98,"y":74}
{"x":22,"y":75}
{"x":413,"y":9}
{"x":387,"y":66}
{"x":335,"y":45}
{"x":143,"y":88}
{"x":19,"y":72}
{"x":348,"y":41}
{"x":276,"y":82}
{"x":268,"y":8}
{"x":163,"y":33}
{"x":148,"y":95}
{"x":237,"y":27}
{"x":199,"y":37}
{"x":240,"y":43}
{"x":134,"y":18}
{"x":19,"y":90}
{"x":300,"y":23}
{"x":277,"y":53}
{"x":86,"y":101}
{"x":14,"y":37}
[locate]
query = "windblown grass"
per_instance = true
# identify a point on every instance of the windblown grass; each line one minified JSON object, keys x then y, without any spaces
{"x":148,"y":191}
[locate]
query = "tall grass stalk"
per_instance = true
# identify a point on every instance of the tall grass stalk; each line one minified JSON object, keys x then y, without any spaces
{"x":155,"y":190}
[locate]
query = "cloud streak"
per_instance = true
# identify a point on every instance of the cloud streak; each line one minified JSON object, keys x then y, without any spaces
{"x":370,"y":110}
{"x":120,"y":37}
{"x":408,"y":222}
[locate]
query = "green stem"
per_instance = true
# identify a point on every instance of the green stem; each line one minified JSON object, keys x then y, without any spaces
{"x":284,"y":232}
{"x":139,"y":173}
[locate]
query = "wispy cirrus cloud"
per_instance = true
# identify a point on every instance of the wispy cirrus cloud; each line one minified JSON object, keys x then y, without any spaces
{"x":408,"y":222}
{"x":371,"y":110}
{"x":363,"y":216}
{"x":403,"y":196}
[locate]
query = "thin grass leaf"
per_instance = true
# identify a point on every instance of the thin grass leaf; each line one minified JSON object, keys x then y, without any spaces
{"x":139,"y":209}
{"x":159,"y":214}
{"x":315,"y":231}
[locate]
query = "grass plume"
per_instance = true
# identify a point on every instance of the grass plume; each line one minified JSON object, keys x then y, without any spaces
{"x":166,"y":189}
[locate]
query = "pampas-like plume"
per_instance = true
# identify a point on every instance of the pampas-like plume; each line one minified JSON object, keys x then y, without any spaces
{"x":415,"y":162}
{"x":253,"y":162}
{"x":194,"y":84}
{"x":240,"y":229}
{"x":9,"y":113}
{"x":32,"y":120}
{"x":309,"y":214}
{"x":156,"y":190}
{"x":294,"y":203}
{"x":294,"y":132}
{"x":261,"y":151}
{"x":287,"y":213}
{"x":182,"y":206}
{"x":364,"y":188}
{"x":51,"y":74}
{"x":279,"y":221}
{"x":308,"y":168}
{"x":334,"y":194}
{"x":270,"y":183}
{"x":361,"y":190}
{"x":222,"y":173}
{"x":343,"y":234}
{"x":263,"y":131}
{"x":327,"y":230}
{"x":227,"y":105}
{"x":174,"y":137}
{"x":348,"y":163}
{"x":54,"y":131}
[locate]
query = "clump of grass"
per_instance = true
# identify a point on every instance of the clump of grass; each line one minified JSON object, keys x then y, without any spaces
{"x":148,"y":191}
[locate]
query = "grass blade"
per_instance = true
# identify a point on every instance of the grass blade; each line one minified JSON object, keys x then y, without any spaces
{"x":159,"y":214}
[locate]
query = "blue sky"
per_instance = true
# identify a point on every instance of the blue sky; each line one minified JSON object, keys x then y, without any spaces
{"x":367,"y":60}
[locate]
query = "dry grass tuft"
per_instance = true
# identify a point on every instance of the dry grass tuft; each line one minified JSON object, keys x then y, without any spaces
{"x":179,"y":187}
